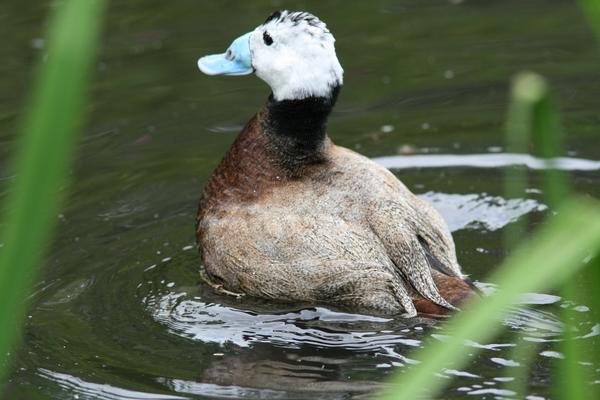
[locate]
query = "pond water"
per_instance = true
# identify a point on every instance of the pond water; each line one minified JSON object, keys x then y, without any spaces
{"x":119,"y":312}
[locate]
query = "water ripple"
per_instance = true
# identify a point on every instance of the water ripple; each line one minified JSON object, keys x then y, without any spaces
{"x":88,"y":390}
{"x":494,"y":160}
{"x":477,"y":211}
{"x":209,"y":322}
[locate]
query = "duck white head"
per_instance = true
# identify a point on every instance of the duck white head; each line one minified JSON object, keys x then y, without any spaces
{"x":293,"y":52}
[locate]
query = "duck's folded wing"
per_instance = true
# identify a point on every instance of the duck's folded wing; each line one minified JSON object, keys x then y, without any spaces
{"x":406,"y":234}
{"x":410,"y":258}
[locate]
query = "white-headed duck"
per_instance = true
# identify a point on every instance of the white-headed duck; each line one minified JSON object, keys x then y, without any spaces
{"x":289,"y":216}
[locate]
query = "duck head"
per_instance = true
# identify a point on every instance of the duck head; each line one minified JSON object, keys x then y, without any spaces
{"x":292,"y":51}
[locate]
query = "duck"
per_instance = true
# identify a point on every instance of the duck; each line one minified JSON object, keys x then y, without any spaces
{"x":288,"y":216}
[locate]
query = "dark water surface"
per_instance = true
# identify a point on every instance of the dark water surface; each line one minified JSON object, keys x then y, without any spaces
{"x":119,"y":312}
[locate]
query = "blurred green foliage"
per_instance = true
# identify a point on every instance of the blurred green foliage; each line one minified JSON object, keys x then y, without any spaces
{"x":592,"y":11}
{"x":547,"y":261}
{"x":43,"y":157}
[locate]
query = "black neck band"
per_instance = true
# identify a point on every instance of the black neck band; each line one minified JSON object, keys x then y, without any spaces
{"x":297,"y":128}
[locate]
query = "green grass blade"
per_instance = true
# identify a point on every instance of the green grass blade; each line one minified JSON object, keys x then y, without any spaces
{"x":547,"y":136}
{"x":525,"y":352}
{"x":591,"y":297}
{"x":43,"y":156}
{"x":592,"y":11}
{"x":571,"y":380}
{"x":592,"y":273}
{"x":524,"y":95}
{"x":533,"y":116}
{"x":546,"y":260}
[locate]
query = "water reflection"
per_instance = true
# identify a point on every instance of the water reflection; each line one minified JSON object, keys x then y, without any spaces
{"x":256,"y":371}
{"x":84,"y":390}
{"x":480,"y":211}
{"x":268,"y":380}
{"x":209,"y":322}
{"x":197,"y":319}
{"x":486,"y":160}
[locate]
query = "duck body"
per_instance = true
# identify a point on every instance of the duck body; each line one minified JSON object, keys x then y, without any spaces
{"x":289,"y":216}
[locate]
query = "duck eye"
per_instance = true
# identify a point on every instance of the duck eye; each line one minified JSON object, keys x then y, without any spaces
{"x":267,"y":38}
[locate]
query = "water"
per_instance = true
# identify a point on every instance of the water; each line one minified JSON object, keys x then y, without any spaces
{"x":119,"y":312}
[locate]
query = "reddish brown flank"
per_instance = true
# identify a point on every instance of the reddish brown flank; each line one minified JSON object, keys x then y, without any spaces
{"x":453,"y":289}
